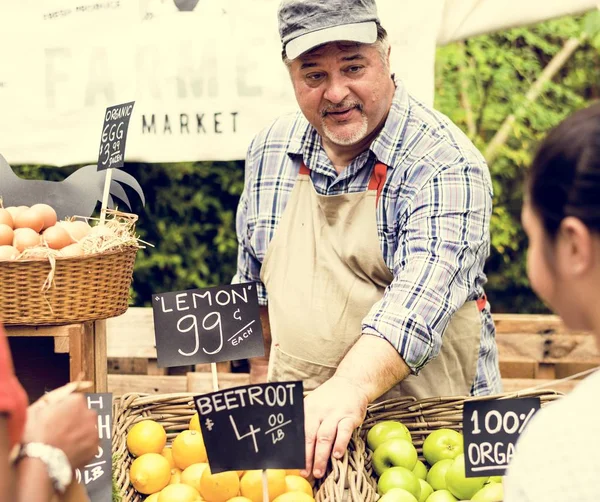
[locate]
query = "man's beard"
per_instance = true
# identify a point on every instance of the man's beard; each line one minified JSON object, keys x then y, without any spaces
{"x":344,"y":139}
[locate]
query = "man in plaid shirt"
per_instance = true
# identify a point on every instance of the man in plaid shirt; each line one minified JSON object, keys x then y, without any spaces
{"x":365,"y":222}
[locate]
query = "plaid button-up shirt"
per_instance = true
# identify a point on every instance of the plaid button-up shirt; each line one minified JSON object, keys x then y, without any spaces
{"x":432,"y":220}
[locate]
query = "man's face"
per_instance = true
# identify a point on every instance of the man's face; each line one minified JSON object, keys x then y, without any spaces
{"x":344,"y":90}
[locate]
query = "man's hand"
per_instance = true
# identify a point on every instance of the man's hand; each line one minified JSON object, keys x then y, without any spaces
{"x":332,"y":412}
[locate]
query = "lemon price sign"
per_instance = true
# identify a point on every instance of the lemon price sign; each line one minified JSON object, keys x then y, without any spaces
{"x":491,"y":428}
{"x":254,"y":427}
{"x":207,"y":325}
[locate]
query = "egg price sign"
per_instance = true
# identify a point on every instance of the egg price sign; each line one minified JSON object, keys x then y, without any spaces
{"x":491,"y":429}
{"x":254,"y":427}
{"x":207,"y":325}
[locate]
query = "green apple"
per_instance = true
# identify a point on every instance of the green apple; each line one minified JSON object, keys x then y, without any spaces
{"x":420,"y":470}
{"x":441,"y":496}
{"x":399,"y":477}
{"x":442,"y":444}
{"x":426,"y":490}
{"x":394,"y":452}
{"x":492,"y":492}
{"x":436,"y":476}
{"x":457,"y":482}
{"x":385,"y":430}
{"x":398,"y":495}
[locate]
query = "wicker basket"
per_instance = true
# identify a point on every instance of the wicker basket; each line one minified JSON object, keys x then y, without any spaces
{"x":350,"y":478}
{"x":84,"y":288}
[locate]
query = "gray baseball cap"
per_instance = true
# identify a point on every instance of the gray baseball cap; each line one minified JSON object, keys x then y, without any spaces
{"x":304,"y":24}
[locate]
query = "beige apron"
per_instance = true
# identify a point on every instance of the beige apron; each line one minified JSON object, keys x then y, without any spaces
{"x":323,"y":272}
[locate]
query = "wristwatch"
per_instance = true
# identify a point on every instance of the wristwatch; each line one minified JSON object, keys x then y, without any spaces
{"x":57,"y":463}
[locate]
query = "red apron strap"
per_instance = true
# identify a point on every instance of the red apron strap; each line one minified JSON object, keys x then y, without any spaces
{"x":378,"y":179}
{"x":481,"y":302}
{"x":375,"y":183}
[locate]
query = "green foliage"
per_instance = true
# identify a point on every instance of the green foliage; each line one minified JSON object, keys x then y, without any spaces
{"x":497,"y":71}
{"x":190,"y":211}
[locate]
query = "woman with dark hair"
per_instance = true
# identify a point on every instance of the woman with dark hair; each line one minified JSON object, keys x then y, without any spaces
{"x":556,"y":457}
{"x":52,"y":439}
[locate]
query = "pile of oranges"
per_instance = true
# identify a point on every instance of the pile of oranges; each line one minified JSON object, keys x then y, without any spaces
{"x":180,"y":472}
{"x":23,"y":228}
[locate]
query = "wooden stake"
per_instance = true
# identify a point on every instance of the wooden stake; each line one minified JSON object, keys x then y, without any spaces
{"x":105,"y":195}
{"x":215,"y":378}
{"x":265,"y":483}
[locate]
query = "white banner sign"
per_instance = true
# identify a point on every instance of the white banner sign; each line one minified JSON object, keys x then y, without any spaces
{"x":206,"y":75}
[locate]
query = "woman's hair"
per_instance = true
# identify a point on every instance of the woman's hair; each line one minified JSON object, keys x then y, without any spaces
{"x":564,"y":179}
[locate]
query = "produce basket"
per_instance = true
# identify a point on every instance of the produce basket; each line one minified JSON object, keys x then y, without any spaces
{"x":350,"y":478}
{"x":84,"y":288}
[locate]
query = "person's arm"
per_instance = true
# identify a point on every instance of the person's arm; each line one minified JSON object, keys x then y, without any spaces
{"x":6,"y":474}
{"x":441,"y":249}
{"x":248,"y":270}
{"x":467,"y":18}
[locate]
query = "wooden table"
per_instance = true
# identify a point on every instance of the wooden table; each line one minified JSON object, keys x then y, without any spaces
{"x":84,"y":343}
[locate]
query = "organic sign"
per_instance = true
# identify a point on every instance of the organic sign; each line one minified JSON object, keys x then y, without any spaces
{"x":207,"y":325}
{"x":491,"y":429}
{"x":96,"y":476}
{"x":114,"y":136}
{"x":254,"y":427}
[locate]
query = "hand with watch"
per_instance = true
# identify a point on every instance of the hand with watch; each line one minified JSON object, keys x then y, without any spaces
{"x":62,"y":436}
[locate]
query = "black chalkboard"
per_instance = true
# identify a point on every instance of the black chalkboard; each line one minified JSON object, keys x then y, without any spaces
{"x":114,"y":136}
{"x":96,"y":476}
{"x":207,"y":325}
{"x":254,"y":427}
{"x":491,"y":429}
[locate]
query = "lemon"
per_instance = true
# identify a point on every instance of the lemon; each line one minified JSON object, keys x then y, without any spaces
{"x":168,"y":454}
{"x":179,"y":493}
{"x":219,"y":487}
{"x":150,"y":473}
{"x":195,"y":423}
{"x":152,"y":498}
{"x":251,"y":484}
{"x":192,"y":475}
{"x":293,"y":497}
{"x":239,"y":499}
{"x":188,"y":448}
{"x":146,"y":436}
{"x":298,"y":484}
{"x":175,"y":476}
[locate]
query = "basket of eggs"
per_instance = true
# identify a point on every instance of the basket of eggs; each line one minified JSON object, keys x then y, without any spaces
{"x":60,"y":272}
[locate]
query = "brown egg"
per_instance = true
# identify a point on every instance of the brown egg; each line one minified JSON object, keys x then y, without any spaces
{"x":79,"y":229}
{"x":15,"y":210}
{"x":56,"y":237}
{"x":6,"y":235}
{"x":8,"y":252}
{"x":47,"y":212}
{"x":72,"y":250}
{"x":6,"y":218}
{"x":26,"y":238}
{"x":30,"y":218}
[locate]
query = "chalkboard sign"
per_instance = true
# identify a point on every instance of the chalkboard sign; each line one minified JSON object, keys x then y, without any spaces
{"x":207,"y":325}
{"x":114,"y":136}
{"x":491,"y":429}
{"x":254,"y":427}
{"x":96,"y":476}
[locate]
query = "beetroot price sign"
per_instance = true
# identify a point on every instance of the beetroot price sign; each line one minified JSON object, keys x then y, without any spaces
{"x":207,"y":325}
{"x":254,"y":427}
{"x":491,"y":429}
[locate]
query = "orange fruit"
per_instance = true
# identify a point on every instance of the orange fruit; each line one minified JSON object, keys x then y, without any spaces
{"x":146,"y":436}
{"x":298,"y":484}
{"x":193,"y":474}
{"x":188,"y":448}
{"x":195,"y":423}
{"x":175,"y":476}
{"x":179,"y":493}
{"x":293,"y":497}
{"x":168,"y":454}
{"x":150,"y":473}
{"x":251,"y":484}
{"x":219,"y":487}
